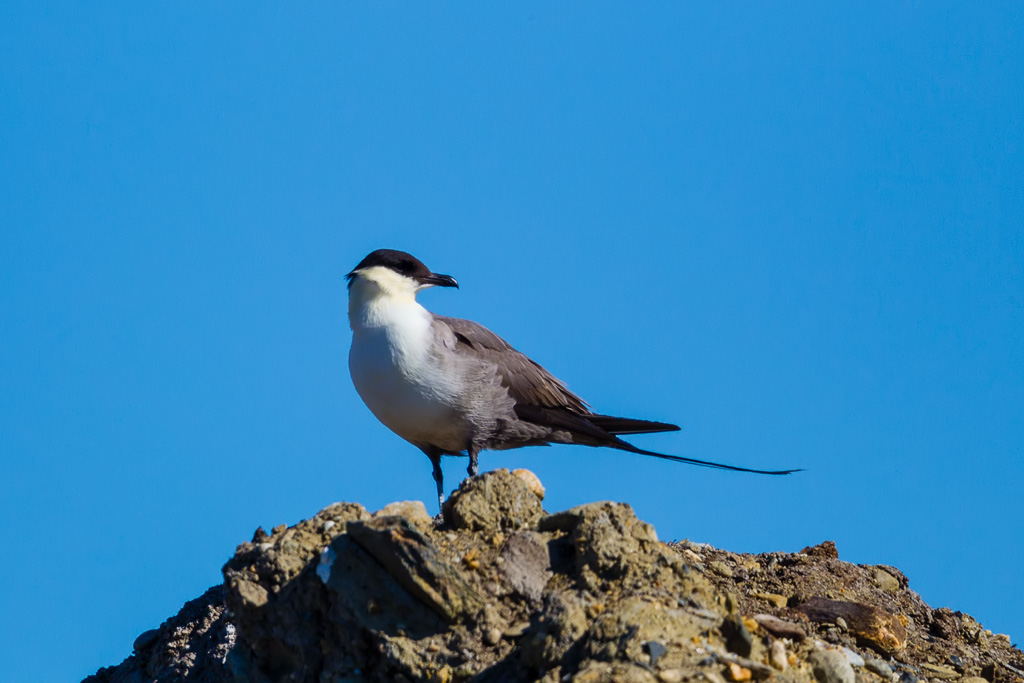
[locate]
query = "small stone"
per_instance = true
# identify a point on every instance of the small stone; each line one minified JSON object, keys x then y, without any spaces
{"x":830,"y":666}
{"x":878,"y":666}
{"x":777,"y":655}
{"x":516,"y":630}
{"x":492,"y":636}
{"x":825,"y":549}
{"x":145,"y":639}
{"x":721,"y":568}
{"x":841,"y":623}
{"x":906,"y":677}
{"x":443,"y":675}
{"x":737,"y":638}
{"x":492,"y":502}
{"x":738,"y":673}
{"x":413,"y":510}
{"x":780,"y":628}
{"x":885,"y":580}
{"x":941,"y":672}
{"x":973,"y":679}
{"x":655,"y":650}
{"x":774,"y":598}
{"x":853,"y":658}
{"x":671,"y":676}
{"x":531,"y":481}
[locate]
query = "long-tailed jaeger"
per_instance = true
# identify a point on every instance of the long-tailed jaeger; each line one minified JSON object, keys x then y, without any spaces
{"x":452,"y":387}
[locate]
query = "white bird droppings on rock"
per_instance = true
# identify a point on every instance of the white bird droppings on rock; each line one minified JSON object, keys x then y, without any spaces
{"x":323,"y":569}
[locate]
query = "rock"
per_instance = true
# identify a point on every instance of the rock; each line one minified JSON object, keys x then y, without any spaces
{"x":721,"y":568}
{"x":145,"y":639}
{"x":774,"y":598}
{"x":885,"y":580}
{"x":531,"y":481}
{"x":192,"y":645}
{"x":655,"y":650}
{"x":780,"y":628}
{"x":493,"y":501}
{"x":413,"y":510}
{"x":826,"y":549}
{"x":777,"y":655}
{"x":877,"y":627}
{"x":739,"y":673}
{"x":607,"y":540}
{"x":561,"y":623}
{"x":830,"y":666}
{"x":737,"y":638}
{"x":852,"y":657}
{"x":506,"y":594}
{"x":878,"y":666}
{"x":417,"y":566}
{"x":941,"y":672}
{"x":526,"y":565}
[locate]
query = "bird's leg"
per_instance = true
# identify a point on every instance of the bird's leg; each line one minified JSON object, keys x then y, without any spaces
{"x":474,"y":451}
{"x":435,"y":460}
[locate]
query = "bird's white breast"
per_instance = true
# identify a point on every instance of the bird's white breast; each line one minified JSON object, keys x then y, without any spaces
{"x":395,"y":373}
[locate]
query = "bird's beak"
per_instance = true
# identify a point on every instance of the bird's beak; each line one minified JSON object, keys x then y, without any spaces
{"x":436,"y":279}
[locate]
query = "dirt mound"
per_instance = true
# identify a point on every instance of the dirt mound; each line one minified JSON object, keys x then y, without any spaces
{"x":499,"y":590}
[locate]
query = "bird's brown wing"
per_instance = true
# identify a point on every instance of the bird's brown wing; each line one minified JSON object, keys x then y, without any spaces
{"x":528,"y":383}
{"x":543,"y":399}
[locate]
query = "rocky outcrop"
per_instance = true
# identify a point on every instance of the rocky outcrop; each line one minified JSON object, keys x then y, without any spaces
{"x":499,"y":590}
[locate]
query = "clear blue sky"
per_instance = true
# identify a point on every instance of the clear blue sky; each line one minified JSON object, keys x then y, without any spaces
{"x":797,"y":232}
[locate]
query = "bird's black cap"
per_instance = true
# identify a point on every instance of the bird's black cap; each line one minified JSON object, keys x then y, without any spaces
{"x":405,"y":264}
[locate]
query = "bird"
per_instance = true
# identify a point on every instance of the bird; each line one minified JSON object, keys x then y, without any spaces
{"x":451,"y":387}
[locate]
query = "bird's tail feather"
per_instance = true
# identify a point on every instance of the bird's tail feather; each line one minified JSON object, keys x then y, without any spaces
{"x":601,"y":430}
{"x":627,"y":425}
{"x":626,"y":446}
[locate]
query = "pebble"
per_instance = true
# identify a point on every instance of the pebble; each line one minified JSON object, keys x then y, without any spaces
{"x":721,"y":568}
{"x":940,"y":672}
{"x":777,"y":655}
{"x":145,"y":639}
{"x":907,"y":677}
{"x":830,"y":666}
{"x":516,"y":630}
{"x":413,"y":510}
{"x":737,"y":638}
{"x":531,"y":481}
{"x":774,"y":598}
{"x":671,"y":676}
{"x":780,"y":628}
{"x":878,"y":666}
{"x":492,"y":636}
{"x":885,"y":580}
{"x":852,"y":657}
{"x":655,"y":650}
{"x":739,"y":673}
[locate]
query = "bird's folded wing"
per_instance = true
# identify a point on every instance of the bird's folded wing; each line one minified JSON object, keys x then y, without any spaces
{"x":528,"y":383}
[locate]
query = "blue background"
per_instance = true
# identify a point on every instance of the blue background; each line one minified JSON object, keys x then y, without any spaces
{"x":796,"y":231}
